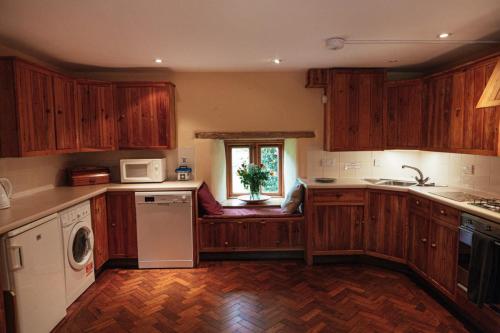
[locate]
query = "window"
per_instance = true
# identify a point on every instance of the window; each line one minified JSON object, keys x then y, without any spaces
{"x":268,"y":153}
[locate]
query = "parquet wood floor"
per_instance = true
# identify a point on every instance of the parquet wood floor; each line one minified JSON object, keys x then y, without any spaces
{"x":257,"y":297}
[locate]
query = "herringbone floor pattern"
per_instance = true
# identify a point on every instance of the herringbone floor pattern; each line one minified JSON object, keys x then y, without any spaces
{"x":257,"y":297}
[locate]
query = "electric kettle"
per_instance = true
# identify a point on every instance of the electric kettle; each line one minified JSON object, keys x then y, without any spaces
{"x":5,"y":192}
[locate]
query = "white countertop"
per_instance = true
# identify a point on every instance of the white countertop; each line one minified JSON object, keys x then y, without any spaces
{"x":422,"y":191}
{"x":29,"y":208}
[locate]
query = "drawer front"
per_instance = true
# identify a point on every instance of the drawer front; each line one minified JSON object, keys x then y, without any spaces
{"x":340,"y":195}
{"x":420,"y":204}
{"x":445,"y":213}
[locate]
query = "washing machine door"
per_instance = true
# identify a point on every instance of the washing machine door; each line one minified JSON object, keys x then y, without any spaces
{"x":80,"y":245}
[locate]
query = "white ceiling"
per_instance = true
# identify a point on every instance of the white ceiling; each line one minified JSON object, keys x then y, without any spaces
{"x":192,"y":35}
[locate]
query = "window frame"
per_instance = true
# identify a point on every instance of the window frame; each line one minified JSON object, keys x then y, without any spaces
{"x":255,"y":149}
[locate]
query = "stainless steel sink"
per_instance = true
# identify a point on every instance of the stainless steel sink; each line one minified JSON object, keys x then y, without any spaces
{"x":397,"y":183}
{"x":390,"y":182}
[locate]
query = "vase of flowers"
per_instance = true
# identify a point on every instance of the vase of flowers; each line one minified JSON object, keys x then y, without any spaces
{"x":252,"y":177}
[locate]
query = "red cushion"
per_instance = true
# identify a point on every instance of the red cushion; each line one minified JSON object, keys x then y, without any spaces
{"x":207,"y":202}
{"x":242,"y":212}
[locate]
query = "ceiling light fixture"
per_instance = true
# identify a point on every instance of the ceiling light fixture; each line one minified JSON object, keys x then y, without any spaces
{"x":277,"y":61}
{"x":158,"y":60}
{"x":444,"y":35}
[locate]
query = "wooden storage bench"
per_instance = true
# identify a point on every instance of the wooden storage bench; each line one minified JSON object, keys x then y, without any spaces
{"x":251,"y":229}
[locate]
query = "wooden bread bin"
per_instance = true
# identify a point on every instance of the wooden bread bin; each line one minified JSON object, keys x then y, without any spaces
{"x":88,"y":176}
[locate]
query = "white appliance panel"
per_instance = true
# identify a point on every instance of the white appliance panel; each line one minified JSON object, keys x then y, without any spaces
{"x":164,"y":229}
{"x":36,"y":262}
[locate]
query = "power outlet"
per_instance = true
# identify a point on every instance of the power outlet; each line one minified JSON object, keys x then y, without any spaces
{"x":468,"y":169}
{"x":327,"y":162}
{"x":377,"y":162}
{"x":352,"y":165}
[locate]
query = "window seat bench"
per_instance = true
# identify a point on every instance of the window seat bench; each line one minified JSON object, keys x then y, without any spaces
{"x":247,"y":229}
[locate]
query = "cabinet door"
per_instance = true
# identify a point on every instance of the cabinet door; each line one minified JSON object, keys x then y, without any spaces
{"x":443,"y":252}
{"x":480,"y":126}
{"x":268,"y":235}
{"x":438,"y":112}
{"x":386,"y":229}
{"x":145,"y":119}
{"x":95,"y":108}
{"x":35,"y":110}
{"x":65,"y":114}
{"x":100,"y":228}
{"x":403,"y":114}
{"x":106,"y":119}
{"x":337,"y":228}
{"x":418,"y":241}
{"x":223,"y":236}
{"x":122,"y":230}
{"x":353,"y":115}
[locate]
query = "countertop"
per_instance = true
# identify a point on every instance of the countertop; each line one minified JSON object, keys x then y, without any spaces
{"x":425,"y":192}
{"x":29,"y":208}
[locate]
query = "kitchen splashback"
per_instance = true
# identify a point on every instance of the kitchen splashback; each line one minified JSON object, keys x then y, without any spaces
{"x":470,"y":171}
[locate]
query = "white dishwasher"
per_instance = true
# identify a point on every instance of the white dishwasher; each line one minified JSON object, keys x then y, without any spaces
{"x":164,"y":229}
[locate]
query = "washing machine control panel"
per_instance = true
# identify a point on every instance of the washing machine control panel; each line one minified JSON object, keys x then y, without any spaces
{"x":75,"y":214}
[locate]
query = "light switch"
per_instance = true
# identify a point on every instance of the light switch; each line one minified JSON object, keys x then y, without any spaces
{"x":468,"y":169}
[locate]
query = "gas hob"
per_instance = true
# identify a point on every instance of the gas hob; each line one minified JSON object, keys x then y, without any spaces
{"x":489,"y":204}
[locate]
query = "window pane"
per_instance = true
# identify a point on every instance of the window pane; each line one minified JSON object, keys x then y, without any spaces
{"x":239,"y":156}
{"x":269,"y":156}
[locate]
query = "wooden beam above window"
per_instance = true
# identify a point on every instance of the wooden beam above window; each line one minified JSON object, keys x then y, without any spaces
{"x":255,"y":135}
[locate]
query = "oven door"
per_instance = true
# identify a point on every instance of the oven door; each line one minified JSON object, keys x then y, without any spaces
{"x":464,"y":252}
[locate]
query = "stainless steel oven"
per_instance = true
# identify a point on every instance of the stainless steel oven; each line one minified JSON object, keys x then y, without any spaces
{"x":469,"y":226}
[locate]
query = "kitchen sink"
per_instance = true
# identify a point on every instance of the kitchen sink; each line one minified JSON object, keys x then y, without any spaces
{"x":390,"y":182}
{"x":397,"y":183}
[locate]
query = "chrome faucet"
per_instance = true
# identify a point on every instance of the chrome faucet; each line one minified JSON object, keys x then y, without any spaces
{"x":420,"y":180}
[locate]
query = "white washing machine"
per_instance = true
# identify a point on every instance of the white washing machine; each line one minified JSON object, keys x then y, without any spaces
{"x":78,"y":241}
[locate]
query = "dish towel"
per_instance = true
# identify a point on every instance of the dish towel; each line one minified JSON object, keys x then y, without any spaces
{"x":484,"y":271}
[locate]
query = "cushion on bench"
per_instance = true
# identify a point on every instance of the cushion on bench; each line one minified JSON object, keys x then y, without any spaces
{"x":249,"y":212}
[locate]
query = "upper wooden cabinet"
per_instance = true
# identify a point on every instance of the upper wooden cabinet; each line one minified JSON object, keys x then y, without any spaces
{"x":146,"y":115}
{"x":452,"y":121}
{"x":491,"y":93}
{"x":94,"y":104}
{"x":354,"y":110}
{"x":37,"y":112}
{"x":403,"y":114}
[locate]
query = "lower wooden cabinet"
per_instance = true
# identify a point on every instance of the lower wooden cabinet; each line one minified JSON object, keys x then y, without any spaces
{"x":386,"y":228}
{"x":337,"y":229}
{"x":254,"y":235}
{"x":122,"y":230}
{"x":100,"y":228}
{"x":433,"y":246}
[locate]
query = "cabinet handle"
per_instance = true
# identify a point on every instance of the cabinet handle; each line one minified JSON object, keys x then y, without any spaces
{"x":433,"y":245}
{"x":424,"y":240}
{"x":442,"y":211}
{"x":417,"y":202}
{"x":113,"y":224}
{"x":373,"y":217}
{"x":262,"y":222}
{"x":212,"y":223}
{"x":239,"y":222}
{"x":226,"y":243}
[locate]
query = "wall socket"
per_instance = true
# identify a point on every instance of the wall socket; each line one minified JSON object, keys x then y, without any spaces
{"x":468,"y":169}
{"x":327,"y":162}
{"x":352,"y":165}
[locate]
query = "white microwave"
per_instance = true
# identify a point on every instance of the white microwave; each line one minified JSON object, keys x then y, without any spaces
{"x":147,"y":170}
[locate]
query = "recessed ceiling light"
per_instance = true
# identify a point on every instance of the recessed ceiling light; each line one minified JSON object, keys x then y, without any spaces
{"x":277,"y":61}
{"x":444,"y":35}
{"x":158,"y":60}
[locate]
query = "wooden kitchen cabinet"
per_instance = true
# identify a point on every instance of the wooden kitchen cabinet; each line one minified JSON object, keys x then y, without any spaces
{"x":403,"y":114}
{"x":337,"y":229}
{"x":122,"y":230}
{"x":27,"y":104}
{"x":433,"y":244}
{"x":475,"y":130}
{"x":354,"y":110}
{"x":94,"y":103}
{"x":66,"y":118}
{"x":268,"y":234}
{"x":146,"y":115}
{"x":437,"y":117}
{"x":100,"y":228}
{"x":386,"y":228}
{"x":223,"y":236}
